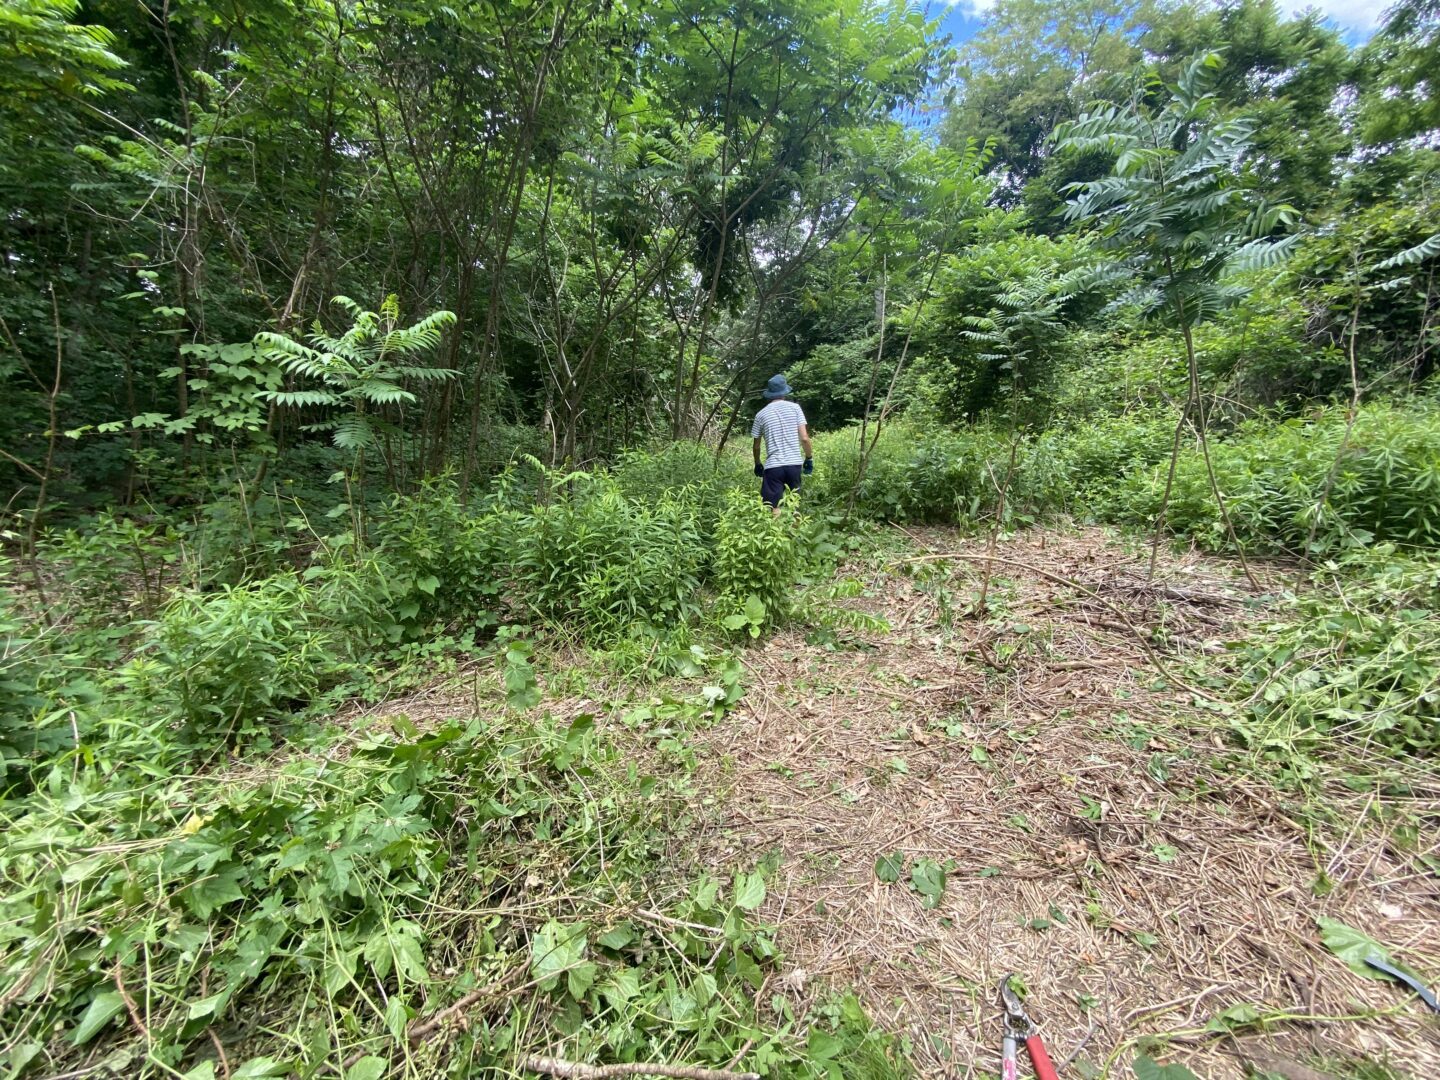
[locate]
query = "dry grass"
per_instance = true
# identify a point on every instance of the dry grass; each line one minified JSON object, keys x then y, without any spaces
{"x":1101,"y":846}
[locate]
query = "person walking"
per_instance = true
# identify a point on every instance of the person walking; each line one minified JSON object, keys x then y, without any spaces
{"x":781,"y":424}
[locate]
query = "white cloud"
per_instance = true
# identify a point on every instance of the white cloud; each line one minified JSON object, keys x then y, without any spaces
{"x":1351,"y":14}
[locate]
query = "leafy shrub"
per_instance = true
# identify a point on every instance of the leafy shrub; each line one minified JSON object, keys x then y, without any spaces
{"x":598,"y":556}
{"x":1117,"y":371}
{"x":757,"y":557}
{"x":689,"y":471}
{"x":20,"y":696}
{"x":442,"y":562}
{"x":929,"y":476}
{"x":1088,"y":459}
{"x":46,"y":688}
{"x":233,"y":540}
{"x":1385,"y":487}
{"x":499,"y":444}
{"x":1360,"y":658}
{"x":908,"y":478}
{"x":231,"y":660}
{"x":114,"y":569}
{"x":837,"y":463}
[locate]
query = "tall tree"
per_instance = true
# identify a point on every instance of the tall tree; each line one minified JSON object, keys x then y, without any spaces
{"x":1177,"y":206}
{"x":1032,"y":66}
{"x":1400,"y":100}
{"x":1285,"y":74}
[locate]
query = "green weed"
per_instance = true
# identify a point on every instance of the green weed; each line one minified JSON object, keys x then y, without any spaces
{"x":1356,"y":660}
{"x":757,"y":558}
{"x":229,"y":662}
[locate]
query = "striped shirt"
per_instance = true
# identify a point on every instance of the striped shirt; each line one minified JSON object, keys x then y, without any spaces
{"x":779,"y":425}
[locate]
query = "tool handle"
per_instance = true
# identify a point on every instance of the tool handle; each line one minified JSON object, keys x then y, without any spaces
{"x":1009,"y":1052}
{"x":1040,"y":1059}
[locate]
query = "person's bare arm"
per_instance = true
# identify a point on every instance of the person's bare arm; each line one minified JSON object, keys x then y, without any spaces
{"x":756,"y":448}
{"x":804,"y":441}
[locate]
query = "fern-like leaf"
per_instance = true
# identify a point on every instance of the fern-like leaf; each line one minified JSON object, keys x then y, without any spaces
{"x":354,"y":432}
{"x":1427,"y":249}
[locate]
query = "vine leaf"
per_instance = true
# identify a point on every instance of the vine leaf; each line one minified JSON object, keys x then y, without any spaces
{"x":1146,"y":1068}
{"x":1352,"y":947}
{"x":888,"y":868}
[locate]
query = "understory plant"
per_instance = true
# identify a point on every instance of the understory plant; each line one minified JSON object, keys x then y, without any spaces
{"x":610,"y":561}
{"x":226,"y":663}
{"x":1176,"y":204}
{"x":1315,"y":483}
{"x":757,"y":561}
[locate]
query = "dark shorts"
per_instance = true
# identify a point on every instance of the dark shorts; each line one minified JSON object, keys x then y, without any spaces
{"x":777,"y":481}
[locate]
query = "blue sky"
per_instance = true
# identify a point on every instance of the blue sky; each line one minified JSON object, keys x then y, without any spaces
{"x":1357,"y":18}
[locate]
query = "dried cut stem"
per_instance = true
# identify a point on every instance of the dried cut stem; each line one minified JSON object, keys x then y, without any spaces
{"x":220,"y":1053}
{"x":1140,"y":636}
{"x":420,"y":1030}
{"x":130,"y":1006}
{"x":999,"y":521}
{"x":574,"y":1070}
{"x":1350,"y":416}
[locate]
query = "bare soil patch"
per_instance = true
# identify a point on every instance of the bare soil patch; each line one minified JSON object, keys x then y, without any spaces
{"x":1102,"y":842}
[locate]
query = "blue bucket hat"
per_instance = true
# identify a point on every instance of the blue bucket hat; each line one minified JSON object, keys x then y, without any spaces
{"x":776,"y":387}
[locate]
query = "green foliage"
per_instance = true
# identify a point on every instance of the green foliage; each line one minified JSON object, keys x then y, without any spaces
{"x":1366,"y":278}
{"x":914,"y":475}
{"x":1353,"y":947}
{"x":682,"y":199}
{"x":1025,"y":70}
{"x":136,"y":557}
{"x":689,"y":471}
{"x":321,"y":883}
{"x":232,"y":392}
{"x":230,"y":662}
{"x":757,"y":560}
{"x":1376,"y":482}
{"x":1034,"y":65}
{"x":751,"y":617}
{"x":48,"y":684}
{"x":1089,"y":458}
{"x":1357,"y":660}
{"x":927,"y":877}
{"x":1147,"y":1068}
{"x":43,"y":52}
{"x":20,"y":695}
{"x":363,"y":371}
{"x":521,"y":689}
{"x":997,"y":331}
{"x":1175,"y":201}
{"x":888,"y":868}
{"x":845,"y":1045}
{"x":611,"y":562}
{"x":442,"y":563}
{"x":1399,"y":64}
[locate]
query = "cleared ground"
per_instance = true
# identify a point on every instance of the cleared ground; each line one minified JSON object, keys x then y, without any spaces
{"x":1101,"y":838}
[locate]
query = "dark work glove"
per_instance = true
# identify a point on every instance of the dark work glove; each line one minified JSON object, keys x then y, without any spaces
{"x":759,"y":470}
{"x":809,"y":466}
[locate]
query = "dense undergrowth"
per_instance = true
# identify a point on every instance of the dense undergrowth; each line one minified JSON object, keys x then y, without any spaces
{"x":201,"y":871}
{"x":1296,"y":487}
{"x":240,"y":504}
{"x":196,"y":863}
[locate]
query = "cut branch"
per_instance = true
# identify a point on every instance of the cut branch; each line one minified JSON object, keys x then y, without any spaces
{"x":573,"y":1070}
{"x":1141,"y":637}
